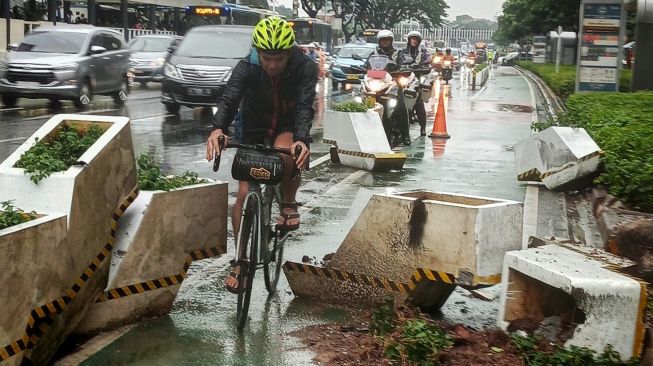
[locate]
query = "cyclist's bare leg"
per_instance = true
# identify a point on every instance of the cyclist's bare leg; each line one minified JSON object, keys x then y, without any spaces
{"x":289,"y":185}
{"x":236,"y":213}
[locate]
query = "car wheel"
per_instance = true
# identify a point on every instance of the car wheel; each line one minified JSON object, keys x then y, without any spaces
{"x":84,"y":96}
{"x":9,"y":101}
{"x":173,"y":108}
{"x":120,"y":97}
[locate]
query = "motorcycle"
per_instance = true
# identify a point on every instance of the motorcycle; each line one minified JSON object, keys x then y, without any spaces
{"x":421,"y":86}
{"x":447,"y":71}
{"x":389,"y":89}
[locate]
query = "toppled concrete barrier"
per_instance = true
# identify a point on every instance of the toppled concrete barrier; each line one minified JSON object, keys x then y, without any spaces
{"x":32,"y":256}
{"x":93,"y":194}
{"x":415,"y":244}
{"x":158,"y":237}
{"x":593,"y":305}
{"x":563,"y":158}
{"x":360,"y":141}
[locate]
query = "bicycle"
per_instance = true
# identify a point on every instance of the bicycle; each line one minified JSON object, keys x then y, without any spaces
{"x":257,"y":228}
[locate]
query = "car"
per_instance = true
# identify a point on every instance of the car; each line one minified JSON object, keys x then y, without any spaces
{"x":66,"y":62}
{"x":195,"y":74}
{"x":509,"y":59}
{"x":148,"y":56}
{"x":341,"y":67}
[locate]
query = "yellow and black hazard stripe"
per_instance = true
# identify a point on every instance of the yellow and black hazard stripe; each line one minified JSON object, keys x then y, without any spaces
{"x":357,"y":278}
{"x":356,"y":153}
{"x":330,"y":142}
{"x":584,"y":158}
{"x":139,"y":288}
{"x":41,"y":317}
{"x":422,"y":274}
{"x":530,"y":175}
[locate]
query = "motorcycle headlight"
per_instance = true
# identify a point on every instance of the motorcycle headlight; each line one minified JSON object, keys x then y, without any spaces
{"x":436,"y":60}
{"x":447,"y":63}
{"x":392,"y":103}
{"x":158,"y":62}
{"x":358,"y":99}
{"x":403,"y":81}
{"x":68,"y":66}
{"x":422,"y":79}
{"x":376,"y":85}
{"x":170,"y":71}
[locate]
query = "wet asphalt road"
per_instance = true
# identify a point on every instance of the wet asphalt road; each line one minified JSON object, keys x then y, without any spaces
{"x":200,"y":329}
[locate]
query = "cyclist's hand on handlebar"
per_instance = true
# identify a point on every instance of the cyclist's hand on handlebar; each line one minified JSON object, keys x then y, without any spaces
{"x":300,"y":160}
{"x":212,"y":145}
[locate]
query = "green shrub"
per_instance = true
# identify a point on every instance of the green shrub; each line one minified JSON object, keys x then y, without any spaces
{"x":350,"y":106}
{"x":10,"y":215}
{"x":59,"y":152}
{"x":150,"y":177}
{"x":480,"y":67}
{"x":622,"y":126}
{"x":418,"y":341}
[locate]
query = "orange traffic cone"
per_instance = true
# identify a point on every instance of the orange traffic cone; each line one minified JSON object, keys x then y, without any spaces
{"x":440,"y":123}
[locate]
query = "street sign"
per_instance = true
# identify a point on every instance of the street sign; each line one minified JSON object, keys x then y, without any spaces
{"x":599,"y":47}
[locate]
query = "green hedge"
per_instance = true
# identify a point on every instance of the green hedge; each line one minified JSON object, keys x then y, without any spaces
{"x":350,"y":106}
{"x":622,"y":126}
{"x":480,"y":67}
{"x":564,"y":83}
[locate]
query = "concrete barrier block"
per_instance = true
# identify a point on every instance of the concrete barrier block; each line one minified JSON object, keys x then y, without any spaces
{"x":89,"y":195}
{"x":361,"y":140}
{"x":32,"y":256}
{"x":595,"y":304}
{"x":155,"y":243}
{"x":461,"y":239}
{"x":562,"y":157}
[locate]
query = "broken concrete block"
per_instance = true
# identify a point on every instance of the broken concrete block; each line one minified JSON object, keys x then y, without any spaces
{"x":90,"y":194}
{"x":415,"y":237}
{"x":361,"y":141}
{"x":580,"y":287}
{"x":32,"y":256}
{"x":564,"y":158}
{"x":634,"y":240}
{"x":158,"y":237}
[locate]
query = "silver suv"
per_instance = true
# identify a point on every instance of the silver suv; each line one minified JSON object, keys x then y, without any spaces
{"x":71,"y":63}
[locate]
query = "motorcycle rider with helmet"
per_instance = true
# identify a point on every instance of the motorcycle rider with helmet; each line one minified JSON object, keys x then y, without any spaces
{"x":415,"y":56}
{"x":386,"y":48}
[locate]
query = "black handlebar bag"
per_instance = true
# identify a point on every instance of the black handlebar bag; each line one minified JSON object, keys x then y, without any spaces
{"x":256,"y":166}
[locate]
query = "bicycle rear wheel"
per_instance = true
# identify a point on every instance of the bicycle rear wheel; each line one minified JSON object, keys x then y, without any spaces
{"x":249,"y":238}
{"x":272,"y":246}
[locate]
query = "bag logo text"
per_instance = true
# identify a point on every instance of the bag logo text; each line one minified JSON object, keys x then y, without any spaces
{"x":259,"y":173}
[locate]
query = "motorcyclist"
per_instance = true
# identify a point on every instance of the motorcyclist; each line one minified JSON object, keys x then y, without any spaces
{"x":448,"y":57}
{"x":415,"y":56}
{"x":386,"y":48}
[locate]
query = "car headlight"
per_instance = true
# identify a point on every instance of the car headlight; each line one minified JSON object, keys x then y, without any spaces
{"x":376,"y":85}
{"x":403,"y":81}
{"x":68,"y":66}
{"x":170,"y":71}
{"x":158,"y":62}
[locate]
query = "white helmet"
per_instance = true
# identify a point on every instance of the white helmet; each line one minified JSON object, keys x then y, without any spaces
{"x":414,"y":33}
{"x":384,"y":34}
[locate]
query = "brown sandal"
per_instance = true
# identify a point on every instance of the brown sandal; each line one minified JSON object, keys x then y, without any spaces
{"x":288,"y":216}
{"x":234,"y":290}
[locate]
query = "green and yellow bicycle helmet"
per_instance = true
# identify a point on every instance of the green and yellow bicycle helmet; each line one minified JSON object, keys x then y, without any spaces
{"x":273,"y":34}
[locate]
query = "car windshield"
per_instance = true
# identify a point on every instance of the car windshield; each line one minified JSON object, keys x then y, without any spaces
{"x":222,"y":44}
{"x":348,"y":52}
{"x":53,"y":42}
{"x":151,"y":44}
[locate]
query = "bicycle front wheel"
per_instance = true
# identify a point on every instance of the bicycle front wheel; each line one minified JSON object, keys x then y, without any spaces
{"x":249,"y":237}
{"x":272,"y":246}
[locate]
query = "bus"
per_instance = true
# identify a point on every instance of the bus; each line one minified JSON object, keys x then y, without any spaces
{"x":224,"y":14}
{"x":308,"y":30}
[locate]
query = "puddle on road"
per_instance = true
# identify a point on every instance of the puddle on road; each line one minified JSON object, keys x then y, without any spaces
{"x":485,"y":106}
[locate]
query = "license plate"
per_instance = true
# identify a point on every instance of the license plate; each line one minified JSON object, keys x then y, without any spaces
{"x":28,"y":84}
{"x":199,"y":91}
{"x":352,"y":77}
{"x":370,"y":101}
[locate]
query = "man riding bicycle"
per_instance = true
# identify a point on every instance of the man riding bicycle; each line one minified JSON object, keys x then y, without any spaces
{"x":276,"y":85}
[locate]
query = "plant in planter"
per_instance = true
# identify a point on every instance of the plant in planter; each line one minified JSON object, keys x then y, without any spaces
{"x":350,"y":106}
{"x":58,"y":151}
{"x":151,"y":178}
{"x":11,"y":215}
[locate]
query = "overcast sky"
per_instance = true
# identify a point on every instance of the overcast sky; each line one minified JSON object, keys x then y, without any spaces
{"x":485,"y":9}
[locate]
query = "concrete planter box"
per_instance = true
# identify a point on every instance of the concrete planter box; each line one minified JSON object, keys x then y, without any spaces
{"x":33,"y":258}
{"x":154,"y":240}
{"x":88,"y":195}
{"x":594,"y":304}
{"x":462,"y":237}
{"x":361,"y":140}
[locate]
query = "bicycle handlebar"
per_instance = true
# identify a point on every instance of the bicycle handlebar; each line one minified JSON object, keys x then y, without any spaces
{"x":259,"y":147}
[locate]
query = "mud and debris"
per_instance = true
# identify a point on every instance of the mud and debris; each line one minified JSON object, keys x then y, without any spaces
{"x":315,"y":262}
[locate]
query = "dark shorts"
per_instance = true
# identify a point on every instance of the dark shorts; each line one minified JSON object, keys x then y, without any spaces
{"x":259,"y":136}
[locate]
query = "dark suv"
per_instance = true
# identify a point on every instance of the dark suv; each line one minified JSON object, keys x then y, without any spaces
{"x":66,"y":63}
{"x":198,"y":70}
